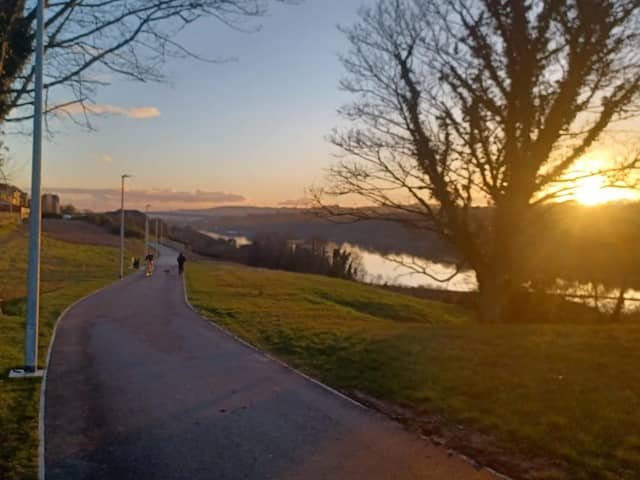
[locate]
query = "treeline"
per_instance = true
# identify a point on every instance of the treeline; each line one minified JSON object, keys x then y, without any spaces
{"x":314,"y":256}
{"x":586,"y":252}
{"x":596,"y":245}
{"x":275,"y":252}
{"x":305,"y":224}
{"x":267,"y":251}
{"x":201,"y":244}
{"x":133,"y":227}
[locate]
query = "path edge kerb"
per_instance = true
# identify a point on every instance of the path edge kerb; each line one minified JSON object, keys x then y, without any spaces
{"x":213,"y":324}
{"x":43,"y":384}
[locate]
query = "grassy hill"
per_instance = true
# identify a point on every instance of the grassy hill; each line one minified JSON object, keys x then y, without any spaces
{"x":69,"y":271}
{"x":536,"y":401}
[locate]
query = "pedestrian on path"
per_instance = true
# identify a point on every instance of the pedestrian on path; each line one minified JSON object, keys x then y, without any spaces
{"x":181,"y":260}
{"x":149,"y":261}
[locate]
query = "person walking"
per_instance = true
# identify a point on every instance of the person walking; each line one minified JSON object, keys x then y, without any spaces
{"x":149,"y":261}
{"x":181,"y":260}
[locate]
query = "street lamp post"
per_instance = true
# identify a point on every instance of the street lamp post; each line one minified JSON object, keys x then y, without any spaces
{"x":122,"y":225}
{"x":35,"y":217}
{"x":146,"y":229}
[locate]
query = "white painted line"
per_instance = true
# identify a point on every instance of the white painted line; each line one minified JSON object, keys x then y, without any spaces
{"x":268,"y":355}
{"x":497,"y":474}
{"x":214,"y":325}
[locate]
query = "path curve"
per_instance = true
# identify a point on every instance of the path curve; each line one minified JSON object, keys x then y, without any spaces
{"x":140,"y":387}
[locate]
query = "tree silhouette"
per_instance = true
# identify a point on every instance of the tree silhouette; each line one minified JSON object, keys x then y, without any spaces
{"x":486,"y":103}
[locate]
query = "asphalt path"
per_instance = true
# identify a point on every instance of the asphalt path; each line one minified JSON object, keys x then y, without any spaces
{"x":141,"y":387}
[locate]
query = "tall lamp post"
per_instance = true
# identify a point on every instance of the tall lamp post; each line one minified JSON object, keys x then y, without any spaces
{"x":122,"y":224}
{"x":146,"y":229}
{"x":33,"y":269}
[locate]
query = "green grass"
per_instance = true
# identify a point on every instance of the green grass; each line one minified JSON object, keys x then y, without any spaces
{"x":8,"y":222}
{"x":568,"y":394}
{"x":68,"y":272}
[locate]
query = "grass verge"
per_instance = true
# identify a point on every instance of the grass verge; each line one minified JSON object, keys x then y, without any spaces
{"x":68,"y":272}
{"x":566,"y":394}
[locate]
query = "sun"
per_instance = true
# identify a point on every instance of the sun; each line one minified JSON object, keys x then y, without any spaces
{"x":593,"y":191}
{"x":596,"y":189}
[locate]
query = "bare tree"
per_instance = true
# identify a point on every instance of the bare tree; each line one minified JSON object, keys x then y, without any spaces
{"x":15,"y":48}
{"x":89,"y":42}
{"x":461,"y":104}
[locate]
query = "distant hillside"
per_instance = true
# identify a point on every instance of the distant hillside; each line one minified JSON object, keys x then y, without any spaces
{"x":228,"y":211}
{"x":134,"y":222}
{"x":606,"y":235}
{"x":305,"y":224}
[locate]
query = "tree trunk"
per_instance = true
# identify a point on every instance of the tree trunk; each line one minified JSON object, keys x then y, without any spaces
{"x":596,"y":298}
{"x":617,"y":311}
{"x":495,"y":295}
{"x":499,"y":272}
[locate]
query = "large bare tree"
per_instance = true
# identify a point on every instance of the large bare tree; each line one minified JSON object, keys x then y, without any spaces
{"x":90,"y":42}
{"x":461,"y":104}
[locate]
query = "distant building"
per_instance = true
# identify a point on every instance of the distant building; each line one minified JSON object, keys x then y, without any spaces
{"x":14,"y":200}
{"x":50,"y":204}
{"x":12,"y":197}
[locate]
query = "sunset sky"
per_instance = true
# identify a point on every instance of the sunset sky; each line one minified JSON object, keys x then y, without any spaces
{"x":250,"y":131}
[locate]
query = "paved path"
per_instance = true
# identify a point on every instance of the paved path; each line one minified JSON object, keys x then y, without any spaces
{"x":140,"y":387}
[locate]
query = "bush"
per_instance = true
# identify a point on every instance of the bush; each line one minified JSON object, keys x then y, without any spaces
{"x":315,"y":256}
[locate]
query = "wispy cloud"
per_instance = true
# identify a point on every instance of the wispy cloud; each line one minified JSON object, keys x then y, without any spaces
{"x":109,"y":198}
{"x":106,"y":158}
{"x":143,"y":112}
{"x":104,"y":109}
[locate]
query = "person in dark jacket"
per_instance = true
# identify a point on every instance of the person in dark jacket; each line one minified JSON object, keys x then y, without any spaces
{"x":149,"y":262}
{"x":181,"y":260}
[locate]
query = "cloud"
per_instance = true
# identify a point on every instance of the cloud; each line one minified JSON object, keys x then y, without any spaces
{"x":98,"y":109}
{"x":106,"y":158}
{"x":143,"y":112}
{"x":297,"y":202}
{"x":109,"y":198}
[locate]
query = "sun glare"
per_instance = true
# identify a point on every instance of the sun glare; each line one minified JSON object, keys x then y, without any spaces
{"x":592,"y":191}
{"x":595,"y":190}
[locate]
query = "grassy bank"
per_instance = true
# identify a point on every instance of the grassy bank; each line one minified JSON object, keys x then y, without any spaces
{"x":567,"y":396}
{"x":69,"y":271}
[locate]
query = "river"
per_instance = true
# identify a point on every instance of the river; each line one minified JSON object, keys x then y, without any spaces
{"x":381,"y":269}
{"x":392,"y":270}
{"x":230,"y":235}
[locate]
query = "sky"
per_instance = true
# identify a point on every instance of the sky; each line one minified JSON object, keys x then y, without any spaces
{"x":248,"y":131}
